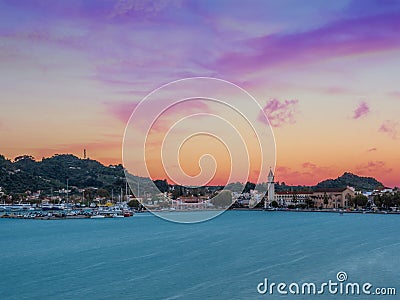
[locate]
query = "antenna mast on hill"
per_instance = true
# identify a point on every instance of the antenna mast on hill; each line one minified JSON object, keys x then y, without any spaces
{"x":84,"y":153}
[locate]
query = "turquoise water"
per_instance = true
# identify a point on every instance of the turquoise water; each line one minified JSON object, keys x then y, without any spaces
{"x":145,"y":257}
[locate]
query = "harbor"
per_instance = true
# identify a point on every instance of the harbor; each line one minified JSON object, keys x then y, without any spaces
{"x":59,"y":212}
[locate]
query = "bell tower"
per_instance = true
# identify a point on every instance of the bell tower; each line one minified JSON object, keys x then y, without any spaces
{"x":271,"y":188}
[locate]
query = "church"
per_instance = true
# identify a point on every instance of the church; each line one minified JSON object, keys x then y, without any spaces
{"x":320,"y":198}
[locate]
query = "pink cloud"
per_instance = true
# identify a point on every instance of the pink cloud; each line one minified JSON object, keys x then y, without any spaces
{"x":280,"y":113}
{"x":308,"y":174}
{"x":178,"y":111}
{"x":361,"y":110}
{"x":372,"y":149}
{"x":395,"y":94}
{"x":390,"y":128}
{"x":121,"y":110}
{"x":335,"y":90}
{"x":373,"y":167}
{"x":309,"y":165}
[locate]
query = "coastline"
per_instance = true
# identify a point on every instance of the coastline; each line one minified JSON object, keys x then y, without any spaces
{"x":22,"y":215}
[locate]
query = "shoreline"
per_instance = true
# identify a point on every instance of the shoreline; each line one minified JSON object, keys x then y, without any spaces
{"x":55,"y":217}
{"x":321,"y":211}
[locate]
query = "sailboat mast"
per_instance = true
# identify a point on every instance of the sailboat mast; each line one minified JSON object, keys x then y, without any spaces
{"x":67,"y":192}
{"x":126,"y":189}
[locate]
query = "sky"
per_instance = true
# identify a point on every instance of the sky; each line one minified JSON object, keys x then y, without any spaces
{"x":325,"y":73}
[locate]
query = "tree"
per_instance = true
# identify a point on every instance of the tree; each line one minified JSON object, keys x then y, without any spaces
{"x":294,"y":198}
{"x":360,"y":200}
{"x":309,"y":202}
{"x":223,"y":199}
{"x":378,"y":200}
{"x":162,"y":185}
{"x":134,"y":203}
{"x":103,"y":193}
{"x":249,"y":186}
{"x":22,"y":157}
{"x":274,"y":204}
{"x":396,"y":198}
{"x":387,"y":200}
{"x":176,"y":193}
{"x":4,"y":198}
{"x":89,"y":195}
{"x":349,"y":199}
{"x":326,"y":200}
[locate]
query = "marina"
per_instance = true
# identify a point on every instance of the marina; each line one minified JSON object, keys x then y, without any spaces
{"x":46,"y":212}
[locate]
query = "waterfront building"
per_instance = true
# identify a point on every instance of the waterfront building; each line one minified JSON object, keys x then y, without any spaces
{"x":335,"y":197}
{"x":320,"y":198}
{"x":292,"y":198}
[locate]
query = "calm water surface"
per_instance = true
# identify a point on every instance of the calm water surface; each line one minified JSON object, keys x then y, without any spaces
{"x":145,"y":257}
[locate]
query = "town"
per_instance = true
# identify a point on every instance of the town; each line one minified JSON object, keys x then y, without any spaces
{"x":92,"y":202}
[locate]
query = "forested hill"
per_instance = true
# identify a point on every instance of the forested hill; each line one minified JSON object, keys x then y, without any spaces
{"x":349,"y":179}
{"x":27,"y":174}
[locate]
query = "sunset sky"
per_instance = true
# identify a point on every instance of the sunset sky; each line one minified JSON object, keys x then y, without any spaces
{"x":326,"y":73}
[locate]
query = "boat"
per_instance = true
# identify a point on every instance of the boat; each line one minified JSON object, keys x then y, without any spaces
{"x":97,"y":217}
{"x":58,"y":207}
{"x":117,"y":216}
{"x":127,"y":214}
{"x":21,"y":206}
{"x":46,"y":207}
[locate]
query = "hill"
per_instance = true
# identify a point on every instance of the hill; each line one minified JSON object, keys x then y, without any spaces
{"x":25,"y":173}
{"x":349,"y":179}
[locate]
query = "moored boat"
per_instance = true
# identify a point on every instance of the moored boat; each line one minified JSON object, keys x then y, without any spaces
{"x":97,"y":217}
{"x":117,"y":216}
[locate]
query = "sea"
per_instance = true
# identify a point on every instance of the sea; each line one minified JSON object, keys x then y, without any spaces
{"x":233,"y":256}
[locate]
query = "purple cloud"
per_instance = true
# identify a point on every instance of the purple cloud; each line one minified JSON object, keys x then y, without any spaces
{"x":390,"y":128}
{"x":280,"y":113}
{"x":361,"y":110}
{"x":340,"y":38}
{"x":142,"y":8}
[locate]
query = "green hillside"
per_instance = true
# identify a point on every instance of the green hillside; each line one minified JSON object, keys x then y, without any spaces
{"x":349,"y":179}
{"x":27,"y":174}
